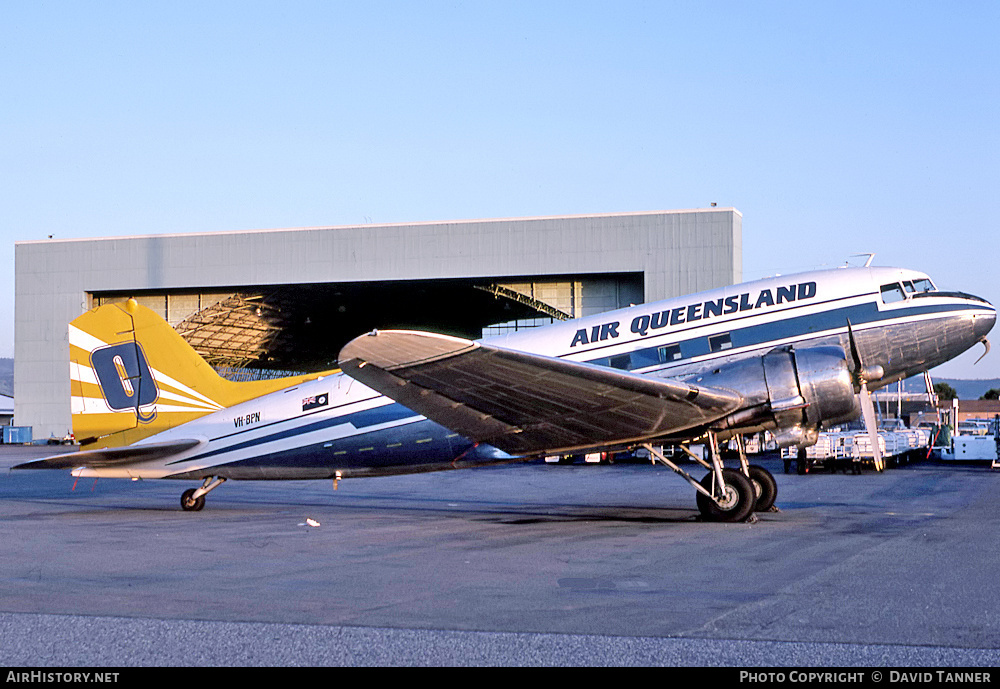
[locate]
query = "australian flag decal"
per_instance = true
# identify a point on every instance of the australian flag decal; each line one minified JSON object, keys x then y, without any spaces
{"x":315,"y":401}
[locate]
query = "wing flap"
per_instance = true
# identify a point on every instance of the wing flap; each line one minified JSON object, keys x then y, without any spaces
{"x":111,"y":456}
{"x":526,"y":403}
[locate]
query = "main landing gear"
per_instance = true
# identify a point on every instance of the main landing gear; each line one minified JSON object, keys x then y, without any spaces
{"x":726,"y":495}
{"x":193,"y":499}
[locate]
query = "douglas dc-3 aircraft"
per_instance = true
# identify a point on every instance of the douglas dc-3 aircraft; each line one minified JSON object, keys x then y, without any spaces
{"x":789,"y":354}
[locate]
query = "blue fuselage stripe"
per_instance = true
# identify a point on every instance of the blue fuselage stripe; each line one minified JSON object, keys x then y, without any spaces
{"x":362,"y":419}
{"x":779,"y":330}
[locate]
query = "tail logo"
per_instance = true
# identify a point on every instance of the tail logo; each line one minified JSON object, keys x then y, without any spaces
{"x":125,"y":379}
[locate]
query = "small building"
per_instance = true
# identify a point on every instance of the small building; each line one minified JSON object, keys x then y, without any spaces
{"x":983,"y":410}
{"x":6,"y":410}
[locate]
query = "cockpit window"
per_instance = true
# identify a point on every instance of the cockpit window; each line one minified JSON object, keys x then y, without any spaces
{"x":908,"y":286}
{"x":923,"y":285}
{"x":892,"y":293}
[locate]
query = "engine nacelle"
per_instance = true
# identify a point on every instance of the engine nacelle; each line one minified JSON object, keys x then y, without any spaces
{"x":790,"y":392}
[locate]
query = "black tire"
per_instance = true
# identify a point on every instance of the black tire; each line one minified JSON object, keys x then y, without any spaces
{"x":740,"y":498}
{"x":186,"y":503}
{"x":764,"y":486}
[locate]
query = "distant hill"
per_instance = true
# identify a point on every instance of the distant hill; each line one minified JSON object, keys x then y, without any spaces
{"x":7,"y":377}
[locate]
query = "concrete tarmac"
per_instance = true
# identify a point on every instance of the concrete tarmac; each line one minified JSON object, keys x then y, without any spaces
{"x":527,"y":564}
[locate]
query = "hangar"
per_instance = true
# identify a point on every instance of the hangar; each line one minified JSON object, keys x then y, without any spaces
{"x":273,"y":302}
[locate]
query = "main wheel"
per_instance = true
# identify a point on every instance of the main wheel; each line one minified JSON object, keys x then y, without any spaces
{"x":189,"y":505}
{"x":738,"y":497}
{"x":764,"y":486}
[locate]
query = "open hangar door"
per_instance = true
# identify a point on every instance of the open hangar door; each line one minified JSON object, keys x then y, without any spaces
{"x":264,"y":331}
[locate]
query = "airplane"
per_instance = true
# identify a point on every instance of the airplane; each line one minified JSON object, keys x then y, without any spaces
{"x":790,"y":354}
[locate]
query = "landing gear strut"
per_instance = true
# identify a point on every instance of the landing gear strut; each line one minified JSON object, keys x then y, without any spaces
{"x":728,"y":495}
{"x":193,"y":499}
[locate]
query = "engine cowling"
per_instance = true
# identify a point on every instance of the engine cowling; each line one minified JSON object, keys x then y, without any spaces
{"x":792,"y":393}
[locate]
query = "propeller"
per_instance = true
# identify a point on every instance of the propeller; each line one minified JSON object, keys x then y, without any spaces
{"x":862,"y":375}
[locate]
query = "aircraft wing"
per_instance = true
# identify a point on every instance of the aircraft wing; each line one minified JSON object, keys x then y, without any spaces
{"x":526,"y":403}
{"x":112,"y":456}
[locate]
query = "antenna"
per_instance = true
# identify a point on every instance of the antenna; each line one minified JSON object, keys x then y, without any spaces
{"x":870,"y":256}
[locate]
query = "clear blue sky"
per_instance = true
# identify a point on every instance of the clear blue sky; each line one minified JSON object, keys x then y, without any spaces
{"x":835,"y":128}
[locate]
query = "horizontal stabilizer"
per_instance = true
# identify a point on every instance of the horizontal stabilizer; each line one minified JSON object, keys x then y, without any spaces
{"x":112,"y":456}
{"x":526,"y":403}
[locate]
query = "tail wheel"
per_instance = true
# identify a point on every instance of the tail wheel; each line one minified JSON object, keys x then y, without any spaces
{"x":764,"y":486}
{"x":737,"y":501}
{"x":192,"y":505}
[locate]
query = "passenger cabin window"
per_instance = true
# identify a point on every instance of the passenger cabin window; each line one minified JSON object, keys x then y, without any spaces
{"x":892,"y":293}
{"x":643,"y":358}
{"x":622,"y":361}
{"x":718,"y":343}
{"x":670,"y":353}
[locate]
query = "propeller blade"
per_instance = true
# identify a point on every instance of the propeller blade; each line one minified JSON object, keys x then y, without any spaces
{"x":986,"y":343}
{"x":855,"y":354}
{"x":868,"y":412}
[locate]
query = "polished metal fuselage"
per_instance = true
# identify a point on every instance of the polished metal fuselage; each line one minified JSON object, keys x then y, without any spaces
{"x":904,"y":337}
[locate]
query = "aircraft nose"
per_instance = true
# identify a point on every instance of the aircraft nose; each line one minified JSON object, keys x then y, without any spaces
{"x":985,"y":321}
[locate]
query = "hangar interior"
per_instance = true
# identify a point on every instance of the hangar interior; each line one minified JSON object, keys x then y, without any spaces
{"x":251,"y":332}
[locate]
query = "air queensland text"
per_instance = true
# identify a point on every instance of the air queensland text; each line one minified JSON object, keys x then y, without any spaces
{"x":723,"y":306}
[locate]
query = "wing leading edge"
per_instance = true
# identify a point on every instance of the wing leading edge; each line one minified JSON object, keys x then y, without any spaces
{"x":526,"y":403}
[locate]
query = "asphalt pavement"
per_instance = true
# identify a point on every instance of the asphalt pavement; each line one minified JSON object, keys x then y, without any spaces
{"x":527,"y":564}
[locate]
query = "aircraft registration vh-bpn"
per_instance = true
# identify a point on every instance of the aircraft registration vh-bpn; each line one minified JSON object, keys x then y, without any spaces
{"x":790,"y":355}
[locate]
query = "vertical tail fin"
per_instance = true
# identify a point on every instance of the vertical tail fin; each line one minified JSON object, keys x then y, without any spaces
{"x":133,"y":376}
